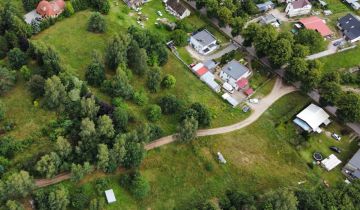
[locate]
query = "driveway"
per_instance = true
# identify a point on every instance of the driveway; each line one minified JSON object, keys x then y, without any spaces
{"x":331,"y":50}
{"x":217,"y":54}
{"x":279,"y":15}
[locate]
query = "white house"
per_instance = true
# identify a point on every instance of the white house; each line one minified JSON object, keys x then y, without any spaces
{"x":297,"y":8}
{"x":203,"y":42}
{"x":330,"y":163}
{"x":350,"y":27}
{"x":311,"y":118}
{"x":233,"y":72}
{"x":110,"y":196}
{"x":177,"y":9}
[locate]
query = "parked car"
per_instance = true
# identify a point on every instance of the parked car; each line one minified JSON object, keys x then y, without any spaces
{"x":336,"y":137}
{"x":245,"y":109}
{"x":228,"y":87}
{"x":337,"y":43}
{"x":335,"y":149}
{"x":254,"y":100}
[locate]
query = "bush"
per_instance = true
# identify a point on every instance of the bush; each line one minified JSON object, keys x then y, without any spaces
{"x":136,"y":184}
{"x":168,"y":81}
{"x":180,"y":38}
{"x":2,"y":111}
{"x":26,"y":73}
{"x":36,"y":86}
{"x":97,"y":23}
{"x":16,"y":58}
{"x":140,"y":98}
{"x":7,"y":79}
{"x":169,"y":104}
{"x":153,"y":113}
{"x":69,"y":9}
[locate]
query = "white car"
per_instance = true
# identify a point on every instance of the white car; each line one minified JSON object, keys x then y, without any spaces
{"x":254,"y":100}
{"x":228,"y":87}
{"x":336,"y":136}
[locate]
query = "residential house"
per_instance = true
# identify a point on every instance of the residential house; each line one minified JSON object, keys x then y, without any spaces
{"x":350,"y":27}
{"x":311,"y":118}
{"x":352,"y":168}
{"x":316,"y":24}
{"x":297,"y":8}
{"x":270,"y":19}
{"x":203,"y":42}
{"x":50,"y":9}
{"x":353,"y":3}
{"x":211,"y":65}
{"x":266,"y":6}
{"x":177,"y":9}
{"x":233,"y":72}
{"x":134,"y":3}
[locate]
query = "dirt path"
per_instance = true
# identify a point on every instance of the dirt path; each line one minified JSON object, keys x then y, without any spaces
{"x":277,"y":92}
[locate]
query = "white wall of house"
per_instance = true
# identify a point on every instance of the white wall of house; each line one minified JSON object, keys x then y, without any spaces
{"x":291,"y":12}
{"x":185,"y":14}
{"x":201,"y":48}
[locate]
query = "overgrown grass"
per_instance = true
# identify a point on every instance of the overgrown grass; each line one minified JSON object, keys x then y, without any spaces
{"x":343,"y":60}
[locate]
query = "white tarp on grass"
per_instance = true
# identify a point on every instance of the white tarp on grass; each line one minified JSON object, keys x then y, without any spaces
{"x":330,"y":163}
{"x":110,"y":196}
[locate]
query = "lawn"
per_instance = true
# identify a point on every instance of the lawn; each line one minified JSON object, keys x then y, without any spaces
{"x":343,"y":60}
{"x":260,"y":157}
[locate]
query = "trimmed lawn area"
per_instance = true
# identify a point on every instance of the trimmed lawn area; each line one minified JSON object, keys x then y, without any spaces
{"x":260,"y":157}
{"x":343,"y":60}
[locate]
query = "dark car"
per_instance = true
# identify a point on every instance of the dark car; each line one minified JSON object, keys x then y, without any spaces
{"x":335,"y":149}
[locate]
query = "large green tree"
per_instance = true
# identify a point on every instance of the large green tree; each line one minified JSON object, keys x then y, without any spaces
{"x":16,"y":58}
{"x":103,"y":157}
{"x":116,"y":51}
{"x":349,"y":107}
{"x":58,"y":199}
{"x":89,"y":107}
{"x":281,"y":52}
{"x":48,"y":165}
{"x":137,"y":58}
{"x":55,"y":92}
{"x":95,"y":72}
{"x":280,"y":200}
{"x":187,"y":129}
{"x":7,"y":79}
{"x":97,"y":23}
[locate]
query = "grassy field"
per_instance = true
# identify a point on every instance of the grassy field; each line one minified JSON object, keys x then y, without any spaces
{"x":343,"y":60}
{"x":260,"y":157}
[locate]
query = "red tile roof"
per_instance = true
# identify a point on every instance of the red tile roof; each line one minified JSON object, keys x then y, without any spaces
{"x":242,"y":83}
{"x":50,"y":9}
{"x":317,"y":24}
{"x":249,"y":91}
{"x":201,"y":71}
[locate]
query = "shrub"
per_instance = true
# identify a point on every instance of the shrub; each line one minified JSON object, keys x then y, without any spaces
{"x":140,"y":98}
{"x":153,"y":113}
{"x":97,"y":23}
{"x":7,"y":79}
{"x":136,"y":184}
{"x":26,"y":73}
{"x":169,"y":104}
{"x":16,"y":58}
{"x":168,"y":81}
{"x":36,"y":86}
{"x":69,"y":9}
{"x":180,"y":38}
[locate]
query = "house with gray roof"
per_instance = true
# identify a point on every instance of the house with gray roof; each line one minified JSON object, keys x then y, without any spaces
{"x":352,"y":168}
{"x":203,"y":42}
{"x":233,"y":72}
{"x":350,"y":27}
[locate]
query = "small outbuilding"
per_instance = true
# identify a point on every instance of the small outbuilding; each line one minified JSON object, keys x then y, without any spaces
{"x":230,"y":99}
{"x":311,"y":118}
{"x":330,"y":163}
{"x":110,"y":196}
{"x":263,"y":7}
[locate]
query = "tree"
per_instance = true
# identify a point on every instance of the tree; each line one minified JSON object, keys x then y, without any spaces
{"x":103,"y":157}
{"x":281,"y":52}
{"x":264,"y":39}
{"x":169,"y":104}
{"x":2,"y":110}
{"x":121,"y":118}
{"x":30,"y":4}
{"x":135,"y":153}
{"x":300,"y":51}
{"x":119,"y":86}
{"x":153,"y":113}
{"x":97,"y":23}
{"x":97,"y":204}
{"x":36,"y":86}
{"x":79,"y":171}
{"x":48,"y":165}
{"x":330,"y":93}
{"x":237,"y":25}
{"x":312,"y":39}
{"x":63,"y":147}
{"x":203,"y":114}
{"x":296,"y":70}
{"x":102,"y":6}
{"x":16,"y":58}
{"x":116,"y":51}
{"x":225,"y":15}
{"x":26,"y":73}
{"x":105,"y":128}
{"x":139,"y":187}
{"x":69,"y":9}
{"x":13,"y":205}
{"x":18,"y":184}
{"x":281,"y":200}
{"x":55,"y":93}
{"x":187,"y":129}
{"x":140,"y":98}
{"x":118,"y":152}
{"x":3,"y":47}
{"x":349,"y":107}
{"x":95,"y":72}
{"x":154,"y":80}
{"x":168,"y":81}
{"x":51,"y":63}
{"x":89,"y":108}
{"x":88,"y":137}
{"x":7,"y":79}
{"x":249,"y":33}
{"x":179,"y":37}
{"x":137,"y":58}
{"x":58,"y":199}
{"x":313,"y":76}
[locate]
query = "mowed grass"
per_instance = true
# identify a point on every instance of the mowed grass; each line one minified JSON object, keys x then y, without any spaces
{"x":342,"y":60}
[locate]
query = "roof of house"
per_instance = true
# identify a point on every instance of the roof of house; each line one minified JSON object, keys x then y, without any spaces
{"x":176,"y":6}
{"x":350,"y":1}
{"x":242,"y":83}
{"x":203,"y":70}
{"x":265,"y":5}
{"x":300,"y":4}
{"x":249,"y":91}
{"x":52,"y":8}
{"x":210,"y":64}
{"x":235,"y":69}
{"x":110,"y":196}
{"x":331,"y":162}
{"x":351,"y":26}
{"x":314,"y":116}
{"x":355,"y":160}
{"x":268,"y":18}
{"x":204,"y":37}
{"x":317,"y":24}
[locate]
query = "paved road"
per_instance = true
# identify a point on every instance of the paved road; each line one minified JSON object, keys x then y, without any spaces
{"x":331,"y":50}
{"x":213,"y":56}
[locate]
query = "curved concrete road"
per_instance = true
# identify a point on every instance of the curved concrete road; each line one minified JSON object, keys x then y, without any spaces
{"x":277,"y":92}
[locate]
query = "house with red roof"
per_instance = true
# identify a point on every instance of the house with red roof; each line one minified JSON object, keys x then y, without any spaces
{"x":50,"y":9}
{"x":316,"y":24}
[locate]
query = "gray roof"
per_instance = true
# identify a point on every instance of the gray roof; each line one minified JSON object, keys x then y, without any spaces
{"x":176,"y":6}
{"x":266,"y":19}
{"x":355,"y":160}
{"x":350,"y":25}
{"x":204,"y":37}
{"x":235,"y":69}
{"x":210,"y":64}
